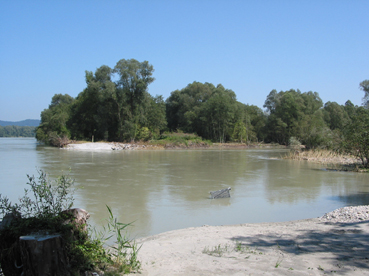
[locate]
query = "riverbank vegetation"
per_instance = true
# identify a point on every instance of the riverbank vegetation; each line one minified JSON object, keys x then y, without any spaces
{"x":116,"y":106}
{"x":17,"y":131}
{"x":180,"y":140}
{"x":43,"y":214}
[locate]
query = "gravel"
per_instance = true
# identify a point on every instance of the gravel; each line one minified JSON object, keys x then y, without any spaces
{"x":348,"y":214}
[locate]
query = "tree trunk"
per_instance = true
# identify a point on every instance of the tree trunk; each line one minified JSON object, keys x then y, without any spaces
{"x":43,"y":255}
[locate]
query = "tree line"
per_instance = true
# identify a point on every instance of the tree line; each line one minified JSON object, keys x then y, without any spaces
{"x":116,"y":106}
{"x":17,"y":131}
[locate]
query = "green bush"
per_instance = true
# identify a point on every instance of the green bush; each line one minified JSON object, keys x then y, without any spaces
{"x":180,"y":139}
{"x":42,"y":214}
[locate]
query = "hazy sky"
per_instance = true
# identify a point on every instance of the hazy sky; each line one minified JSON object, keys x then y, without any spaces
{"x":250,"y":47}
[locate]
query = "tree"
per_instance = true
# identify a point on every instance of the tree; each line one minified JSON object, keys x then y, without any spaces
{"x":335,"y":115}
{"x":203,"y":109}
{"x":118,"y":110}
{"x":257,"y":118}
{"x":53,"y":126}
{"x":295,"y":114}
{"x":17,"y":131}
{"x":219,"y":111}
{"x":364,"y":85}
{"x":91,"y":112}
{"x":356,"y":136}
{"x":272,"y":100}
{"x":249,"y":121}
{"x":184,"y":106}
{"x":155,"y":119}
{"x":129,"y":95}
{"x":350,"y":108}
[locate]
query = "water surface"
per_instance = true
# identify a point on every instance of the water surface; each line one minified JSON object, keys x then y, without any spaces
{"x":169,"y":189}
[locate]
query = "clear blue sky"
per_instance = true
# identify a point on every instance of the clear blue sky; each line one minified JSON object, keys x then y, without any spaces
{"x":250,"y":47}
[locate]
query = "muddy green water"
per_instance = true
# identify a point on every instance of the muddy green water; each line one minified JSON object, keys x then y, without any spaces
{"x":167,"y":190}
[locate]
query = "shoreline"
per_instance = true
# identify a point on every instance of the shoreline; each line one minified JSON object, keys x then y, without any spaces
{"x":106,"y":146}
{"x":336,"y":244}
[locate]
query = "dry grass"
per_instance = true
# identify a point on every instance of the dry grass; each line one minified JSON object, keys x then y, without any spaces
{"x":322,"y":156}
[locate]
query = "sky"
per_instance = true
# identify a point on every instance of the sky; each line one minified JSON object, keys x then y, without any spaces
{"x":250,"y":47}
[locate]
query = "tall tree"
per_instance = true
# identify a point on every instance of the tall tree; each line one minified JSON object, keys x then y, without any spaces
{"x":203,"y":109}
{"x":364,"y":85}
{"x":134,"y":78}
{"x":91,"y":112}
{"x":117,"y":110}
{"x":219,"y":111}
{"x":295,"y":114}
{"x":183,"y":107}
{"x":335,"y":115}
{"x":249,"y":121}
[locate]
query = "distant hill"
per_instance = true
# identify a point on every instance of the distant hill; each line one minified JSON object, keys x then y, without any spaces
{"x":28,"y":122}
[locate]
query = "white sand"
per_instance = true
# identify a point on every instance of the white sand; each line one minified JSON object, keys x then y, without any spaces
{"x":305,"y":247}
{"x":100,"y":146}
{"x":90,"y":146}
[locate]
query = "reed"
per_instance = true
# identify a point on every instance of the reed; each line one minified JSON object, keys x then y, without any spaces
{"x":322,"y":156}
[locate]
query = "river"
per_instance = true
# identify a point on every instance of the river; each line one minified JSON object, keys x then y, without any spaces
{"x":162,"y":190}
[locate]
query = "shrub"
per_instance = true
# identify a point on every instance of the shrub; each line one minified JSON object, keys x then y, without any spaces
{"x":43,"y":214}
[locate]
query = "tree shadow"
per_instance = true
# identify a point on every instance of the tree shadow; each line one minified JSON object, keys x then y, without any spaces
{"x":345,"y":241}
{"x":360,"y":198}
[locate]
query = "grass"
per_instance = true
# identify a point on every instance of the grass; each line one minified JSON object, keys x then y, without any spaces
{"x":321,"y":156}
{"x":220,"y":250}
{"x":216,"y":251}
{"x":278,"y":263}
{"x":335,"y":160}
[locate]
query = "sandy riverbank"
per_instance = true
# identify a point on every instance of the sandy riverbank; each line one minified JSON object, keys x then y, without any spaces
{"x":101,"y":146}
{"x":105,"y":146}
{"x":305,"y":247}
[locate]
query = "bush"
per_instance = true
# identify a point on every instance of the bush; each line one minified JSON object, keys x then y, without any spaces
{"x":180,"y":139}
{"x":43,"y":214}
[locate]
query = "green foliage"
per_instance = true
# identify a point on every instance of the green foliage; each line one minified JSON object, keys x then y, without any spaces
{"x":53,"y":127}
{"x":144,"y":134}
{"x":120,"y":110}
{"x":364,"y":85}
{"x":295,"y":114}
{"x":17,"y":131}
{"x":356,"y":136}
{"x":42,"y":214}
{"x":335,"y":115}
{"x":239,"y":132}
{"x":124,"y":251}
{"x":212,"y":113}
{"x":50,"y":197}
{"x":184,"y":107}
{"x":116,"y":106}
{"x":106,"y":109}
{"x":180,"y":139}
{"x":249,"y":121}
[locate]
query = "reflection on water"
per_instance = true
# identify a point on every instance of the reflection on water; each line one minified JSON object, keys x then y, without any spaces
{"x":166,"y":190}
